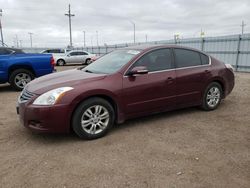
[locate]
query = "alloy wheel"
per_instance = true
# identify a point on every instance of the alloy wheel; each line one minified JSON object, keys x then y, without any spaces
{"x":213,"y":96}
{"x":22,"y":79}
{"x":95,"y":119}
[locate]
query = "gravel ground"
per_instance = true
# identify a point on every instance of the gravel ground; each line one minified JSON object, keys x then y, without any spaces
{"x":184,"y":148}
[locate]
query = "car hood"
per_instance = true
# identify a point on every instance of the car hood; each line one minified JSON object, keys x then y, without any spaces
{"x":68,"y":78}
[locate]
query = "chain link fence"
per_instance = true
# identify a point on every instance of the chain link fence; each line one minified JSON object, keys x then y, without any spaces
{"x":232,"y":49}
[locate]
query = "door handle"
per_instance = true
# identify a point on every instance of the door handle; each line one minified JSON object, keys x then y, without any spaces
{"x":170,"y":79}
{"x":207,"y":71}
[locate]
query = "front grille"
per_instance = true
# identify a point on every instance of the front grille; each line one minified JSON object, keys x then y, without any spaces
{"x":25,"y":96}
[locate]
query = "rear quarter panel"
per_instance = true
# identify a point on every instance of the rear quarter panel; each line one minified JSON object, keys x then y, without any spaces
{"x":40,"y":63}
{"x":4,"y":68}
{"x":222,"y":75}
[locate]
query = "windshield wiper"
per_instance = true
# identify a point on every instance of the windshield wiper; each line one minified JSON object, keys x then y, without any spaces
{"x":88,"y":71}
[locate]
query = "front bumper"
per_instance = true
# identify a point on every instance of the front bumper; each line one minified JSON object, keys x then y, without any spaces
{"x":45,"y":119}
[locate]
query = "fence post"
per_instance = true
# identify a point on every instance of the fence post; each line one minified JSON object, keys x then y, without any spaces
{"x":202,"y":44}
{"x":238,"y":53}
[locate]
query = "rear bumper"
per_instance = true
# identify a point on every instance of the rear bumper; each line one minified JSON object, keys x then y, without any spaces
{"x":230,"y":82}
{"x":44,"y":119}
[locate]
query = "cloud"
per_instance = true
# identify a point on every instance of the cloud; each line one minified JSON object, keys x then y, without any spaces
{"x":159,"y":19}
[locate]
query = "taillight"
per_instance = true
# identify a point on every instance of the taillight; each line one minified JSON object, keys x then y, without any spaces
{"x":52,"y":62}
{"x":229,"y":67}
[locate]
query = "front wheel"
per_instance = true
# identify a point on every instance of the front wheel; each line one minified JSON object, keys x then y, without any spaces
{"x":93,"y":118}
{"x":212,"y":96}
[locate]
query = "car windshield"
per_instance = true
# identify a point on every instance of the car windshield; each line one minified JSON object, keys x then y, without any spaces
{"x":111,"y":62}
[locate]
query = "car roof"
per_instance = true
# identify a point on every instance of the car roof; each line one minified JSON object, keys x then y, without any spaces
{"x":78,"y":51}
{"x":151,"y":47}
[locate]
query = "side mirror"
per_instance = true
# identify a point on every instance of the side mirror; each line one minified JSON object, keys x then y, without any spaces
{"x":68,"y":55}
{"x":138,"y":70}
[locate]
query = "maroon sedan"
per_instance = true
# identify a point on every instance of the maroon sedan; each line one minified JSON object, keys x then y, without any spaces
{"x":121,"y":85}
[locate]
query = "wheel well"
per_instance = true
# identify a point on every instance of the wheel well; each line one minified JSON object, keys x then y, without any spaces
{"x":105,"y":97}
{"x":87,"y":60}
{"x":221,"y":84}
{"x":59,"y":60}
{"x":15,"y":67}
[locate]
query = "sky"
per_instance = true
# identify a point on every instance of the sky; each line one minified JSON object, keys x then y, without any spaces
{"x":112,"y":20}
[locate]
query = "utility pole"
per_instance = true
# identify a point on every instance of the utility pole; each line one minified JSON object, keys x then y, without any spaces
{"x":242,"y":27}
{"x":97,"y":42}
{"x":133,"y":23}
{"x":70,"y":34}
{"x":1,"y":30}
{"x":30,"y":39}
{"x":84,"y":38}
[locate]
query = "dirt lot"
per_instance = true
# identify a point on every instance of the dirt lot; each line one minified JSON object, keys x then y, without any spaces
{"x":184,"y":148}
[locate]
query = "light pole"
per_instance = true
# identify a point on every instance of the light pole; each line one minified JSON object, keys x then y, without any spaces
{"x":70,"y":35}
{"x":92,"y":41}
{"x":97,"y":42}
{"x":1,"y":30}
{"x":242,"y":27}
{"x":30,"y":39}
{"x":133,"y":23}
{"x":84,"y":32}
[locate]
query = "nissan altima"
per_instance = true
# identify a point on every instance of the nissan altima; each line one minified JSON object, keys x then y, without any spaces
{"x":124,"y":84}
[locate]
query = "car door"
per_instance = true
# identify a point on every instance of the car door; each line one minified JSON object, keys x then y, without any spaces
{"x":153,"y":91}
{"x":191,"y":76}
{"x":72,"y":58}
{"x":82,"y":57}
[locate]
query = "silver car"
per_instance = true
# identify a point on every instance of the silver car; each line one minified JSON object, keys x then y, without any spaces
{"x":74,"y":57}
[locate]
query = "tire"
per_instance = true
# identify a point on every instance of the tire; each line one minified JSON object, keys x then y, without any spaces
{"x":89,"y":126}
{"x":88,"y":61}
{"x":212,"y":96}
{"x":60,"y":62}
{"x":19,"y":78}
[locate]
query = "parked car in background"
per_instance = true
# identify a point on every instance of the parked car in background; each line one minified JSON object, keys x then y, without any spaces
{"x":121,"y":85}
{"x":19,"y":68}
{"x":74,"y":57}
{"x":54,"y":51}
{"x":94,"y":58}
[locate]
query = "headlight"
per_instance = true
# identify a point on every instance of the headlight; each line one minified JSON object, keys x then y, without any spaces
{"x":51,"y":97}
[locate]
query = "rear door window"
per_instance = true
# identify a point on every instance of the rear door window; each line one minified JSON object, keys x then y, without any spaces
{"x":204,"y":59}
{"x":82,"y":53}
{"x":186,"y":58}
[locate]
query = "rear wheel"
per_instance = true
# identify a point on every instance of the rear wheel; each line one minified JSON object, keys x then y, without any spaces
{"x":20,"y":78}
{"x":93,"y":118}
{"x":212,"y":96}
{"x":88,"y":61}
